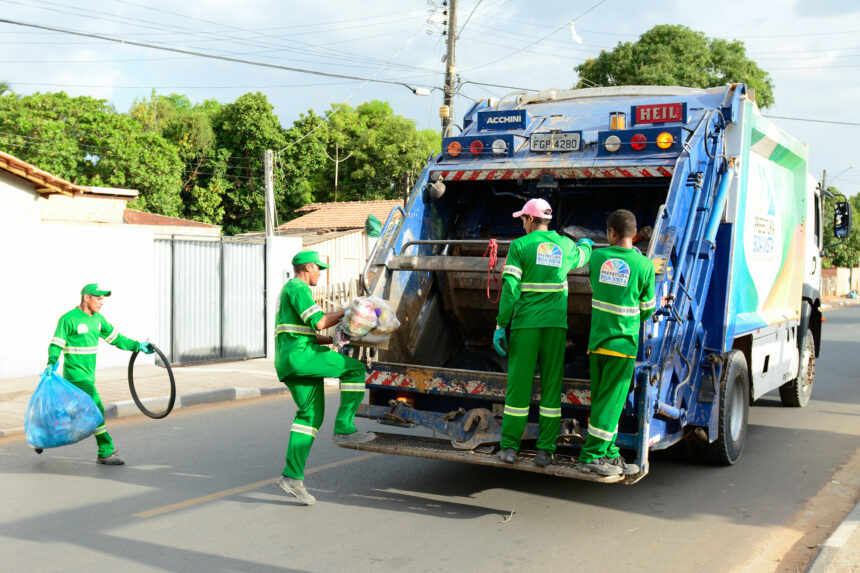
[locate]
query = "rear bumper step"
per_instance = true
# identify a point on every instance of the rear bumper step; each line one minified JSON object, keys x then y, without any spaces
{"x":403,"y":445}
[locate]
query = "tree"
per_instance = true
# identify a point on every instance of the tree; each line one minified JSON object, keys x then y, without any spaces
{"x":676,"y":55}
{"x":847,"y":253}
{"x":4,"y":88}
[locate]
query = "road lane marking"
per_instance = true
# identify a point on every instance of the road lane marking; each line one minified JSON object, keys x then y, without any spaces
{"x":243,"y":488}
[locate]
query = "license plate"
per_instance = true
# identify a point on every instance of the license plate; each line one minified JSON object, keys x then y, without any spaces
{"x":567,"y":141}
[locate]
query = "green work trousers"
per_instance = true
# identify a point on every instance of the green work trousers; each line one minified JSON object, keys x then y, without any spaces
{"x":528,"y":345}
{"x":306,"y":387}
{"x":610,"y":384}
{"x":103,"y":439}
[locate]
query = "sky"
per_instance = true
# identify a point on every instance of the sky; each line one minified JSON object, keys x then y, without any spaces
{"x":811,"y":48}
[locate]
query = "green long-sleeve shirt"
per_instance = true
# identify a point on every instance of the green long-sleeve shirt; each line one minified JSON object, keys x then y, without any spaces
{"x":622,"y":282}
{"x":295,"y":330}
{"x":77,"y":338}
{"x":534,"y":287}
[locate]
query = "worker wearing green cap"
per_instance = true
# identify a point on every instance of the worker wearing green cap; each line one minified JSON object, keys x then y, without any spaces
{"x":77,"y":339}
{"x":302,"y":364}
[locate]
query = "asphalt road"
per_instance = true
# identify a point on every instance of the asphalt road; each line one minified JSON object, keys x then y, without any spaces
{"x":199,"y":494}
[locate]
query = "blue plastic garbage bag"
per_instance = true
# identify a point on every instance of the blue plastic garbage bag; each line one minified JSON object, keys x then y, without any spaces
{"x":59,"y":413}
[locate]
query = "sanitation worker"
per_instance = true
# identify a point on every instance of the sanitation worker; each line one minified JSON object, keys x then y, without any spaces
{"x":77,"y":338}
{"x":302,"y":363}
{"x":534,"y":303}
{"x":622,"y":283}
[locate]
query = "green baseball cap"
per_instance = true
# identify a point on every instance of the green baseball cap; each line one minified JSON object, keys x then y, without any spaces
{"x":93,"y":289}
{"x":309,"y":257}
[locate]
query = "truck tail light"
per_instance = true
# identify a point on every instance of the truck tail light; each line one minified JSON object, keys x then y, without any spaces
{"x":499,"y":147}
{"x":476,"y":147}
{"x":612,"y":143}
{"x":665,"y":140}
{"x":454,"y":148}
{"x":638,"y":142}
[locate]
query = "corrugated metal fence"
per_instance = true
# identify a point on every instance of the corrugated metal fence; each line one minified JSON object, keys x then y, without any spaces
{"x":211,"y":298}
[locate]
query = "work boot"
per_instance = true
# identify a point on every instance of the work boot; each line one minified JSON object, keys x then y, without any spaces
{"x":39,"y":450}
{"x":508,"y":455}
{"x":354,"y":438}
{"x":544,"y":458}
{"x":600,"y":466}
{"x":296,"y":488}
{"x":626,"y":469}
{"x":111,"y":460}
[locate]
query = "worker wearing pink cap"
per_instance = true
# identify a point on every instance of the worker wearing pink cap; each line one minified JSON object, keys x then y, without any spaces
{"x":534,"y":304}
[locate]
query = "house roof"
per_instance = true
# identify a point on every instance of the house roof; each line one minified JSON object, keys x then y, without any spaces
{"x":340,"y":215}
{"x":132,"y":217}
{"x":44,"y":181}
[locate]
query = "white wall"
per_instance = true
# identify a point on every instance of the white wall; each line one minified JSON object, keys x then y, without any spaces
{"x":279,"y":254}
{"x":44,"y":267}
{"x":19,"y":203}
{"x":347,"y":255}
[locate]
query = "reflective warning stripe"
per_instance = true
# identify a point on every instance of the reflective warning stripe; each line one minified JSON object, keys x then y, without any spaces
{"x":615,"y":309}
{"x":310,"y":311}
{"x":352,"y":387}
{"x":513,"y":271}
{"x":112,"y":336}
{"x":544,"y":287}
{"x":550,"y":412}
{"x":58,"y":342}
{"x":602,"y":434}
{"x":559,"y":173}
{"x":648,"y":305}
{"x":294,"y":329}
{"x":80,"y":350}
{"x":100,"y":430}
{"x":512,"y":411}
{"x":302,"y":429}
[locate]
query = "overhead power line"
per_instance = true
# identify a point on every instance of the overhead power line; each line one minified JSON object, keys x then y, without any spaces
{"x":812,"y":120}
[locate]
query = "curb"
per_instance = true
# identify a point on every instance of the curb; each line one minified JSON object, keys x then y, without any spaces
{"x":837,"y":303}
{"x":125,"y":408}
{"x":830,"y":549}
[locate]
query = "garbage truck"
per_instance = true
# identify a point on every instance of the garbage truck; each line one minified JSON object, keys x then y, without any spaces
{"x":726,"y":211}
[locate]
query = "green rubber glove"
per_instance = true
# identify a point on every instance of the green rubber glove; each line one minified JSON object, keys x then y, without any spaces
{"x":500,"y":343}
{"x":146,"y":348}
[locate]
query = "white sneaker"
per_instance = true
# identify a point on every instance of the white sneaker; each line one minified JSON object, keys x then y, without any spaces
{"x":296,"y":488}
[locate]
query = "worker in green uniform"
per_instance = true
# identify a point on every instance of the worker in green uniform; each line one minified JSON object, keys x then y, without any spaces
{"x":622,"y":284}
{"x":302,"y":364}
{"x":534,"y":303}
{"x":77,"y":339}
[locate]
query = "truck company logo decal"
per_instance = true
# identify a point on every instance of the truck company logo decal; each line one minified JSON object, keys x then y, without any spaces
{"x":502,"y":120}
{"x":549,"y":255}
{"x":566,"y":173}
{"x":615,"y":272}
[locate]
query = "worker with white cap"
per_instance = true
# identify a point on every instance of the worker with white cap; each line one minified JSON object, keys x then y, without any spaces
{"x":534,"y":304}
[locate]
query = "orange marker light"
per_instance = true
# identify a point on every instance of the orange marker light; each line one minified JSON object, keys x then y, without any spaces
{"x":454,"y":148}
{"x":665,"y":140}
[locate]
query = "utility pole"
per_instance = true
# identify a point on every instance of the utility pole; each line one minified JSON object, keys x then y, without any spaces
{"x":823,"y":180}
{"x":337,"y":163}
{"x":450,"y":72}
{"x":270,"y":192}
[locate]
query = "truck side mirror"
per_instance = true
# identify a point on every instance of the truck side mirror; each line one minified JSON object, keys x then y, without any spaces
{"x":842,"y":219}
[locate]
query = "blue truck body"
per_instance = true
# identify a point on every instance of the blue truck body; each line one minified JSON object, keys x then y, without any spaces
{"x":726,"y":211}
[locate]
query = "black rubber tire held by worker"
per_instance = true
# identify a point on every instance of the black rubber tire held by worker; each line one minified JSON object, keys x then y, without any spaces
{"x":170,"y":401}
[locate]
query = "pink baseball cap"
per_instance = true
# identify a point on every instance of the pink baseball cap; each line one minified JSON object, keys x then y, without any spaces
{"x":535,"y":208}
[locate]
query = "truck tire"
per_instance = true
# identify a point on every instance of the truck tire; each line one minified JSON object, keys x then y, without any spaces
{"x":796,"y":393}
{"x":726,"y":450}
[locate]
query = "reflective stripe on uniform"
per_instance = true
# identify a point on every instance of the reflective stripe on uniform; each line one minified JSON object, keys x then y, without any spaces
{"x":100,"y":430}
{"x":302,"y":429}
{"x":294,"y":329}
{"x":544,"y":287}
{"x":80,"y":350}
{"x":512,"y":411}
{"x":648,"y":305}
{"x":58,"y":342}
{"x":112,"y":336}
{"x":615,"y":309}
{"x":602,"y":434}
{"x":352,"y":387}
{"x":513,"y":271}
{"x":310,"y":311}
{"x":550,"y":412}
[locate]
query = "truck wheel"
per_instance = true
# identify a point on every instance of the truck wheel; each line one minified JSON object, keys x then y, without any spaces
{"x":796,"y":393}
{"x":726,"y":450}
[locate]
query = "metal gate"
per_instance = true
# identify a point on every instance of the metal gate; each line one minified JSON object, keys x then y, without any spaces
{"x":211,"y":298}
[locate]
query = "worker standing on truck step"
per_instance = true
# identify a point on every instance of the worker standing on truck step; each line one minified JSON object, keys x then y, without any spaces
{"x":622,"y":284}
{"x":302,"y":364}
{"x":77,"y":338}
{"x":534,"y":303}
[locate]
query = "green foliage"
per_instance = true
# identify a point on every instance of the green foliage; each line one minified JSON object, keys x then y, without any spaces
{"x":847,"y":253}
{"x":676,"y":55}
